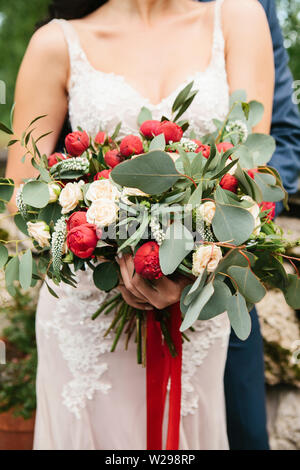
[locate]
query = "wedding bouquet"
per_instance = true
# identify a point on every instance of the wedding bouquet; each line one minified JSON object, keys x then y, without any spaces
{"x":180,"y":203}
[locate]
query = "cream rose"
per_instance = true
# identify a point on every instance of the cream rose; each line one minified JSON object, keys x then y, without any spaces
{"x":174,"y":156}
{"x":254,"y":211}
{"x":40,"y":232}
{"x":233,"y":169}
{"x":54,"y":191}
{"x":207,"y":211}
{"x":126,"y":192}
{"x":207,"y":257}
{"x":254,"y":208}
{"x":103,"y":212}
{"x":70,"y":196}
{"x":102,"y":189}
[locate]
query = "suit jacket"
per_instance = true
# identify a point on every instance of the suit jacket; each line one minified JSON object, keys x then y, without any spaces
{"x":286,"y":120}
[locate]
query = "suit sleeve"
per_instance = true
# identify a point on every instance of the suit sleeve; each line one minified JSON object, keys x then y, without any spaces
{"x":286,"y":120}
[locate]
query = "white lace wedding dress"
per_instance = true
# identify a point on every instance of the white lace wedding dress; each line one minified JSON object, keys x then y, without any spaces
{"x":89,"y":398}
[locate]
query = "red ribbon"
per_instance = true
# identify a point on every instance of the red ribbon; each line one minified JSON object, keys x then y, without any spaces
{"x":160,"y":367}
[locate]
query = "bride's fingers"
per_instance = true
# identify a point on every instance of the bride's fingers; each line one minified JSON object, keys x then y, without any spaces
{"x":127,"y":275}
{"x":133,"y":301}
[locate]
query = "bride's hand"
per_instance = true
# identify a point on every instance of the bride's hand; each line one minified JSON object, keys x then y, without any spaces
{"x":161,"y":293}
{"x":136,"y":302}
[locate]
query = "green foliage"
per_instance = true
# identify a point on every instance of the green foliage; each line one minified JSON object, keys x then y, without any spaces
{"x":176,"y":246}
{"x":17,"y":377}
{"x":17,"y":24}
{"x":153,"y":173}
{"x":106,"y":276}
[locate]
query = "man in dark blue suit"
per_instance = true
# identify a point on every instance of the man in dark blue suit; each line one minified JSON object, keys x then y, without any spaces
{"x":244,"y":374}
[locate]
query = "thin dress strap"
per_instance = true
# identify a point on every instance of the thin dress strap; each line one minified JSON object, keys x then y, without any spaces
{"x":76,"y":54}
{"x":218,"y":40}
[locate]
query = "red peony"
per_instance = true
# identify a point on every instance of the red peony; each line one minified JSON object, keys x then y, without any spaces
{"x":55,"y":158}
{"x":77,"y":218}
{"x":82,"y":240}
{"x":146,"y":261}
{"x":205,"y":150}
{"x":131,"y":145}
{"x":102,"y":174}
{"x":229,"y":182}
{"x":76,"y":143}
{"x":199,"y":143}
{"x":268,"y":206}
{"x":171,"y":131}
{"x":112,"y":158}
{"x":100,"y":138}
{"x":252,"y":172}
{"x":224,"y":146}
{"x":149,"y":128}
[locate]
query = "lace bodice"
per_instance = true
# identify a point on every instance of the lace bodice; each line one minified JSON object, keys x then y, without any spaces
{"x":99,"y":100}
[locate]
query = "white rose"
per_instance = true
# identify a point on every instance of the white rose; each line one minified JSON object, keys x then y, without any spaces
{"x":254,"y":208}
{"x":102,"y":213}
{"x":54,"y":191}
{"x":133,"y":192}
{"x":207,"y":257}
{"x":257,"y":227}
{"x":233,"y":169}
{"x":70,"y":196}
{"x":254,"y":211}
{"x":174,"y":156}
{"x":207,"y":211}
{"x":126,"y":192}
{"x":102,"y":189}
{"x":40,"y":232}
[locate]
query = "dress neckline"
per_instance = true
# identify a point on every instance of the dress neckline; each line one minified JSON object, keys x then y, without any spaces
{"x":120,"y":77}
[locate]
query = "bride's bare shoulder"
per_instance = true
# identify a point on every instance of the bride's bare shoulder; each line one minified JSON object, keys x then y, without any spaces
{"x":243,"y":10}
{"x":48,"y":45}
{"x":247,"y":15}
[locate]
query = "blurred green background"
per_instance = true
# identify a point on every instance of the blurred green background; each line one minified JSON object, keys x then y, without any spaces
{"x":18,"y":19}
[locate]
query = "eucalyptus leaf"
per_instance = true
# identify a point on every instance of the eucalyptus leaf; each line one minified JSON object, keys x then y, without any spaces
{"x":106,"y":276}
{"x":36,"y":194}
{"x":3,"y":256}
{"x":261,"y":147}
{"x":6,"y":189}
{"x":239,"y":316}
{"x":196,"y":196}
{"x":217,"y":303}
{"x":177,"y":245}
{"x":145,"y":115}
{"x":248,"y":284}
{"x":236,"y":96}
{"x":256,"y":113}
{"x":267,"y":184}
{"x":153,"y":173}
{"x":12,"y":274}
{"x":51,"y":213}
{"x":21,"y":224}
{"x":232,"y":223}
{"x":196,"y":288}
{"x":25,"y":270}
{"x":158,"y":143}
{"x":196,"y":306}
{"x":292,"y":292}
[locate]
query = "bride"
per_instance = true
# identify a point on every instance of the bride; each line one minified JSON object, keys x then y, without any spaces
{"x":101,"y":61}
